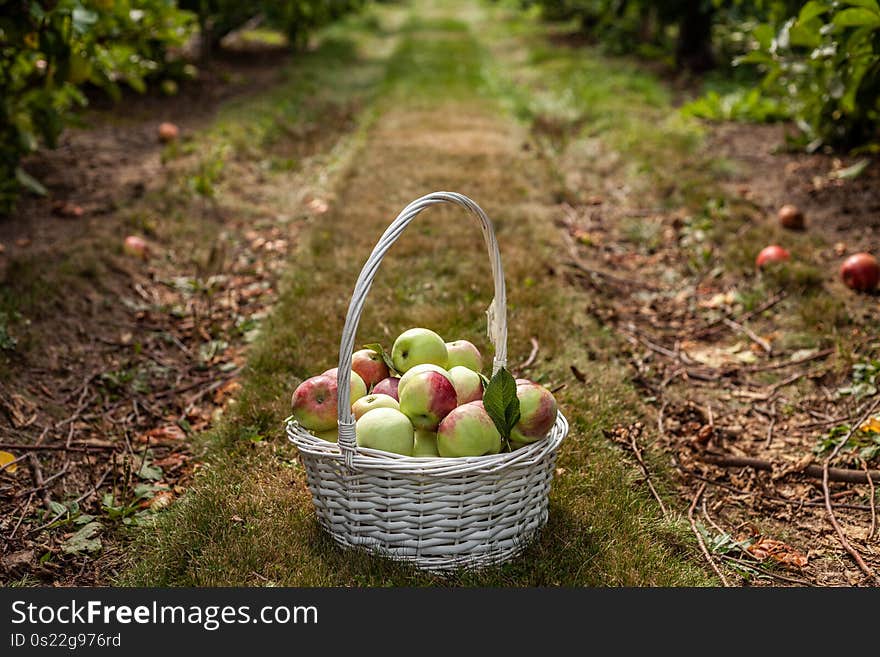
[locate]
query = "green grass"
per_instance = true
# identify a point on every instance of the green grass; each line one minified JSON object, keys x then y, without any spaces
{"x":440,"y":122}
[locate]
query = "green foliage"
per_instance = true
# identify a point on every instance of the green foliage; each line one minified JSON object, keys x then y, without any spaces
{"x":501,"y":402}
{"x":825,"y":63}
{"x":737,"y":105}
{"x":49,"y":50}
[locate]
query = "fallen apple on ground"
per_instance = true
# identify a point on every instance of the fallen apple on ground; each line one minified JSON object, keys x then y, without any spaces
{"x":135,"y":246}
{"x":791,"y":217}
{"x":772,"y":253}
{"x":168,"y":132}
{"x":386,"y":429}
{"x":861,"y":272}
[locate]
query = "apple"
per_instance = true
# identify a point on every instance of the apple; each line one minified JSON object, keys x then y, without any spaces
{"x":425,"y":444}
{"x":387,"y":387}
{"x":515,"y":445}
{"x":464,"y":353}
{"x":315,"y":403}
{"x":791,"y":217}
{"x":331,"y":435}
{"x":860,"y":272}
{"x":135,"y":246}
{"x":467,"y":383}
{"x":369,"y":366}
{"x":418,"y":369}
{"x":519,"y":381}
{"x":417,"y":346}
{"x":537,"y":413}
{"x":358,"y":388}
{"x":468,"y":431}
{"x":427,"y":398}
{"x":372,"y":401}
{"x":168,"y":132}
{"x":772,"y":253}
{"x":387,"y":429}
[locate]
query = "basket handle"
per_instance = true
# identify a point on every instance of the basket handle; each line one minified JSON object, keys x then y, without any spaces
{"x":496,"y":313}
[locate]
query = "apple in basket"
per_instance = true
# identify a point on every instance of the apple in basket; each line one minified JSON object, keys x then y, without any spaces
{"x":371,"y":401}
{"x":467,"y":383}
{"x":386,"y":429}
{"x":369,"y":366}
{"x":468,"y":431}
{"x":314,"y":403}
{"x":418,"y":369}
{"x":425,"y":444}
{"x":427,"y":398}
{"x":537,"y":413}
{"x":358,"y":388}
{"x":464,"y":353}
{"x":388,"y":387}
{"x":417,"y":346}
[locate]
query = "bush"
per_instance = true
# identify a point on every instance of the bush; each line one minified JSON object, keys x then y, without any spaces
{"x":49,"y":49}
{"x":824,"y":64}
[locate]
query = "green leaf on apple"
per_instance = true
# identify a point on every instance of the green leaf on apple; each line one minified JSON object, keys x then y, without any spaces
{"x":484,"y":379}
{"x":379,"y":349}
{"x":501,"y":402}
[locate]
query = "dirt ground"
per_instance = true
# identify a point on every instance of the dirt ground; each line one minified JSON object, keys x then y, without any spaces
{"x":110,"y":374}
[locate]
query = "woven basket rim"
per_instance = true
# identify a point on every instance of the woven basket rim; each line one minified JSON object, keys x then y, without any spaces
{"x":373,"y":459}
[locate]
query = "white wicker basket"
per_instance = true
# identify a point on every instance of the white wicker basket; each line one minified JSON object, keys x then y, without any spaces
{"x":439,"y":513}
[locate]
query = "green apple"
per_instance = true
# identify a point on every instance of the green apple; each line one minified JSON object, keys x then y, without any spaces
{"x":468,"y":431}
{"x":426,"y":399}
{"x":468,"y":385}
{"x":315,"y":403}
{"x":331,"y":435}
{"x":464,"y":353}
{"x":418,"y":369}
{"x":370,"y":402}
{"x":386,"y":429}
{"x":417,"y":346}
{"x":425,"y":444}
{"x":537,"y":413}
{"x":357,"y":388}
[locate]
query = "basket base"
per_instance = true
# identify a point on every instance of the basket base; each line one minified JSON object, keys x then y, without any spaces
{"x":446,"y":564}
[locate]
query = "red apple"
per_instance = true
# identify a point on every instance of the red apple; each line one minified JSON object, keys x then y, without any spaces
{"x":315,"y":403}
{"x":370,"y":366}
{"x":168,"y":132}
{"x":791,"y":217}
{"x":537,"y":409}
{"x":772,"y":253}
{"x":468,"y":431}
{"x":861,"y":272}
{"x":357,"y":388}
{"x":135,"y":246}
{"x":387,"y":387}
{"x":427,"y":398}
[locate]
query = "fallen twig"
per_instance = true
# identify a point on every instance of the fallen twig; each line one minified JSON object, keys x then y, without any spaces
{"x":61,"y":448}
{"x":834,"y":474}
{"x":715,"y":325}
{"x":873,"y":502}
{"x":788,"y":363}
{"x":865,"y":568}
{"x":79,"y":499}
{"x":699,"y":536}
{"x":532,"y":354}
{"x":757,"y":339}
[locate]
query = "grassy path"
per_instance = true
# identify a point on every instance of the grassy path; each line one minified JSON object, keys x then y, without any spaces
{"x":439,"y":123}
